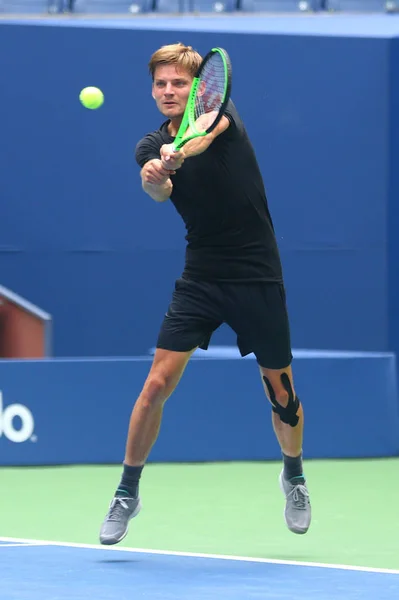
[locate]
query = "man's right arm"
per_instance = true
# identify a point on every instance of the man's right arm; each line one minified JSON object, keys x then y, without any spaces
{"x":156,"y":180}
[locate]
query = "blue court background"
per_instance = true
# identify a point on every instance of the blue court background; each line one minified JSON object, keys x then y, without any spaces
{"x":79,"y":573}
{"x":79,"y":237}
{"x":80,"y":409}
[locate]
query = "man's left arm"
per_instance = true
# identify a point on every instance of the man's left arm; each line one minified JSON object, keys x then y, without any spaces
{"x":174,"y":160}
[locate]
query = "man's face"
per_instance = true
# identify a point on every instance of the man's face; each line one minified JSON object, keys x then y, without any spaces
{"x":170,"y":90}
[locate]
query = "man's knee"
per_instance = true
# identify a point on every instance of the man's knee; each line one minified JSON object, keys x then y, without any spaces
{"x":165,"y":373}
{"x":155,"y":389}
{"x":285,"y":402}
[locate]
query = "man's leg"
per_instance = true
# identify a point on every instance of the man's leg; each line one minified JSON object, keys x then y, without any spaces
{"x":287,"y":418}
{"x":165,"y":373}
{"x":258,"y":314}
{"x":290,"y":437}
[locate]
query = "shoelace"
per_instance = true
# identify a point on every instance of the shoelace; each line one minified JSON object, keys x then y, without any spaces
{"x":118,"y":506}
{"x":299,"y":495}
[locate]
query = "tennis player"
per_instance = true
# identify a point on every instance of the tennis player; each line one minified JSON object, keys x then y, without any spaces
{"x":232,"y":275}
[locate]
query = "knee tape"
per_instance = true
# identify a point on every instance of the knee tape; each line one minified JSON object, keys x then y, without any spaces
{"x":287,"y":414}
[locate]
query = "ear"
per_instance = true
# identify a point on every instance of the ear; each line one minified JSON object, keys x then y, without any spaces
{"x":201,"y":89}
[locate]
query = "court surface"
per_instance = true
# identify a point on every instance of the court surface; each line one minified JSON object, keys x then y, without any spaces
{"x":33,"y":570}
{"x":218,"y":531}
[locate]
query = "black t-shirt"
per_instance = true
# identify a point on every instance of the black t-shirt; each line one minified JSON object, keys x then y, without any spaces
{"x":221,"y":198}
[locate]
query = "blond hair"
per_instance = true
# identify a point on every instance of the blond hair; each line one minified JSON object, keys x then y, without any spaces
{"x":184,"y":57}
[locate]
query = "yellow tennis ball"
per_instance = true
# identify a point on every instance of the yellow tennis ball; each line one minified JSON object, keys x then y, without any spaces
{"x":91,"y":97}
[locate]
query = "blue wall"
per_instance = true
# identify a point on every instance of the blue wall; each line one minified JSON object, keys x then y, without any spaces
{"x":77,"y":411}
{"x":393,"y":221}
{"x":79,"y":237}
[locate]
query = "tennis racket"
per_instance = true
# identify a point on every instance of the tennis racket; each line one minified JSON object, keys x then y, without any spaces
{"x":209,"y":95}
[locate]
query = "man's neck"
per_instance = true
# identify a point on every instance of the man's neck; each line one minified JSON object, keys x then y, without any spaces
{"x":173,"y":127}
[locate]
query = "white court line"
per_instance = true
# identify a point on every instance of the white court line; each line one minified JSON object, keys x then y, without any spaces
{"x":23,"y":544}
{"x":271,"y":561}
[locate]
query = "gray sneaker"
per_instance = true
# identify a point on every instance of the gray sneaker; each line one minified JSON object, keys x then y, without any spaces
{"x":116,"y":522}
{"x":298,"y":511}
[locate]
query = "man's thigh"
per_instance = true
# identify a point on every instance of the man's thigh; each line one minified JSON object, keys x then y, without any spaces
{"x":257,"y":312}
{"x":194,"y":313}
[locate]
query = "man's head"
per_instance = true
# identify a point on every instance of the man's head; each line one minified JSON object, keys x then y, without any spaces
{"x":172,"y":69}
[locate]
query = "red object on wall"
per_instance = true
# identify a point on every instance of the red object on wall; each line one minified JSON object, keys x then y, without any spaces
{"x":25,"y":329}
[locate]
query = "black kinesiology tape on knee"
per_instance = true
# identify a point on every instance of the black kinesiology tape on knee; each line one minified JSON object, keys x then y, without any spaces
{"x":288,"y":413}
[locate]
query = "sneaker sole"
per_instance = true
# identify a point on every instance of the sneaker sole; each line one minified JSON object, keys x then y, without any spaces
{"x":297,"y":531}
{"x":112,"y":541}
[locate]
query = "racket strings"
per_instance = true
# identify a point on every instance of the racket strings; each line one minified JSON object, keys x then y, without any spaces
{"x":210,"y":92}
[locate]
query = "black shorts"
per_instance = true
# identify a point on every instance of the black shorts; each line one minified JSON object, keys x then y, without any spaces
{"x":256,"y":312}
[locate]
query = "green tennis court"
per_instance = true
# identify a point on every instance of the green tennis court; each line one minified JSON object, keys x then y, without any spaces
{"x":227,"y":508}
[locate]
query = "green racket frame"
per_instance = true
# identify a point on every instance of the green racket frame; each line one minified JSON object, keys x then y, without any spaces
{"x":189,"y":113}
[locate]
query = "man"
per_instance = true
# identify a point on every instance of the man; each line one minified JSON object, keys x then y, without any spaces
{"x":232,"y":275}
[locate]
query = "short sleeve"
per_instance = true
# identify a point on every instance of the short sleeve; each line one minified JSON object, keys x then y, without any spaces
{"x":233,"y":116}
{"x":147,"y":149}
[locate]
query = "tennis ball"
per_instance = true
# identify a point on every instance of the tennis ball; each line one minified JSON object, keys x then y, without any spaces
{"x":91,"y":97}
